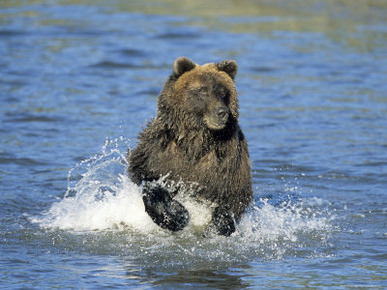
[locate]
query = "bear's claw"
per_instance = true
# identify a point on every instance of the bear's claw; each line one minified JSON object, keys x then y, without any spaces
{"x":222,"y":222}
{"x":166,"y":212}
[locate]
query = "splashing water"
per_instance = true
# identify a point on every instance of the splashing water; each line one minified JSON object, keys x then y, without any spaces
{"x":99,"y":196}
{"x":101,"y":201}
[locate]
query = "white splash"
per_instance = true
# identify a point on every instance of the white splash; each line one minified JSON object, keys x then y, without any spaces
{"x":100,"y":196}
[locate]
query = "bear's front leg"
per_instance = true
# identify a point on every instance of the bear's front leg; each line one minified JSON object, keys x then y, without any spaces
{"x":166,"y":212}
{"x":222,"y":221}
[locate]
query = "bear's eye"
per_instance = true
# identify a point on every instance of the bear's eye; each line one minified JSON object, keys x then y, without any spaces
{"x":202,"y":91}
{"x":222,"y":93}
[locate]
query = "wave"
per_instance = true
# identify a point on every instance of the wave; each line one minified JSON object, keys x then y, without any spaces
{"x":102,"y":200}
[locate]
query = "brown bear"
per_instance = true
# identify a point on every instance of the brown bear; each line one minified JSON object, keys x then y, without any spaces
{"x":195,"y":139}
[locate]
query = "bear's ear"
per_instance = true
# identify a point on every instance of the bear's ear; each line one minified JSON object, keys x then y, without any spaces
{"x":182,"y":65}
{"x":228,"y":66}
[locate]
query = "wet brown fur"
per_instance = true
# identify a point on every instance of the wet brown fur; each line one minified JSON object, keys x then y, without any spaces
{"x":187,"y":142}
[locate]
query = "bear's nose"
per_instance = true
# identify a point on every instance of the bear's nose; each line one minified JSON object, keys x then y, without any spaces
{"x":222,"y":113}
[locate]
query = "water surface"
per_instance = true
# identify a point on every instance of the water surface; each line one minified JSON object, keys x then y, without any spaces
{"x":78,"y":79}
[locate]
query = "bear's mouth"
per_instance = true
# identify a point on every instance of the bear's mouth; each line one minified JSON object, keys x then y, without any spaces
{"x":216,"y":121}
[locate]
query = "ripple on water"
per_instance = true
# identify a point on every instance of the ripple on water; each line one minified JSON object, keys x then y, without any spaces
{"x":103,"y":211}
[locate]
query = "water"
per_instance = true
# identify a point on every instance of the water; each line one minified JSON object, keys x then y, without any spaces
{"x":78,"y":79}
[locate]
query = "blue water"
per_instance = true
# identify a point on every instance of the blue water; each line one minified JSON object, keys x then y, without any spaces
{"x":79,"y":79}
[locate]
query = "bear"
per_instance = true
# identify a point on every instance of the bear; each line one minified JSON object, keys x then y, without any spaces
{"x":195,"y":139}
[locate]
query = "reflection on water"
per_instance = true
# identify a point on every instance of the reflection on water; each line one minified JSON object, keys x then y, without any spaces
{"x":356,"y":24}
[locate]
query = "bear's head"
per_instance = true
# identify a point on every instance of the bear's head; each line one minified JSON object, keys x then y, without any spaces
{"x":201,"y":96}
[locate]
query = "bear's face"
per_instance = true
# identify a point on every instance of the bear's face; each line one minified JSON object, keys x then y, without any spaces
{"x":206,"y":93}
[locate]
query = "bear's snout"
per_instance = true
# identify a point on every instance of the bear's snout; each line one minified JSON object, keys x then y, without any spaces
{"x":222,"y":113}
{"x":217,"y":119}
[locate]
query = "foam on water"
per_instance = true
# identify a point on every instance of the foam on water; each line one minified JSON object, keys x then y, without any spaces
{"x":100,"y":197}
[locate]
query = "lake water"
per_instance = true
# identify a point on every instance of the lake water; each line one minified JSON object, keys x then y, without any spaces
{"x":78,"y":79}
